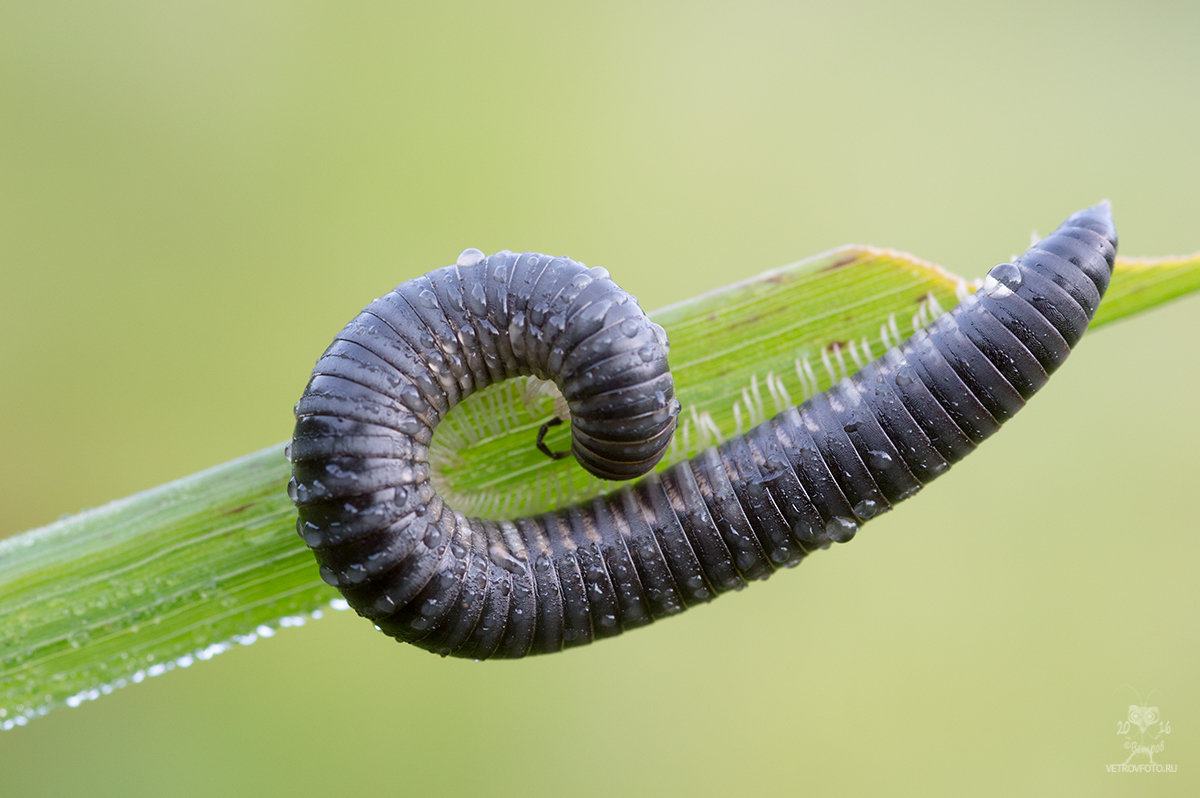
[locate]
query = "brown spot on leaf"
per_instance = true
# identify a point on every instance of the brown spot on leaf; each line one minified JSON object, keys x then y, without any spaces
{"x":840,"y":263}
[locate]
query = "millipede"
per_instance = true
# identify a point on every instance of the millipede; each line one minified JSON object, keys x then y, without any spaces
{"x":426,"y":574}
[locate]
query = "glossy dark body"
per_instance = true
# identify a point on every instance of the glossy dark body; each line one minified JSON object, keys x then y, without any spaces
{"x":807,"y":478}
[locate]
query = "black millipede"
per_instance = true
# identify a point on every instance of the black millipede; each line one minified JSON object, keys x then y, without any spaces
{"x":426,"y":574}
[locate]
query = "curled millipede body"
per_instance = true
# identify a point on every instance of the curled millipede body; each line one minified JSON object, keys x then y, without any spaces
{"x":426,"y":574}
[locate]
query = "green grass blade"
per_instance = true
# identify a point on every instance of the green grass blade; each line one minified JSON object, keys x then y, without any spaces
{"x":189,"y":569}
{"x":1141,"y":283}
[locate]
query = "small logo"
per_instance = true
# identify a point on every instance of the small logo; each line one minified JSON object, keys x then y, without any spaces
{"x":1143,"y":735}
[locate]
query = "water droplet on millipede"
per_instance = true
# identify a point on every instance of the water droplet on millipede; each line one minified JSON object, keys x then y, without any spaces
{"x":867,"y":508}
{"x":328,"y":576}
{"x":840,"y":529}
{"x":427,"y":298}
{"x":383,"y":604}
{"x":1002,"y":280}
{"x":630,"y":328}
{"x":469,"y":257}
{"x":411,"y":397}
{"x":312,"y":534}
{"x":501,"y":556}
{"x":878,"y":459}
{"x":478,"y":299}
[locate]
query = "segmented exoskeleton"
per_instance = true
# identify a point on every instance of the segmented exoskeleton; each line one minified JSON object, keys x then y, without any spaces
{"x":807,"y":478}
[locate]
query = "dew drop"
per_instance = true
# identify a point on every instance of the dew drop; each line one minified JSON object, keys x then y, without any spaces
{"x":478,"y":299}
{"x":501,"y":556}
{"x":411,"y":397}
{"x":328,"y":576}
{"x":804,"y":531}
{"x":867,"y":508}
{"x":337,"y":472}
{"x":840,"y":529}
{"x":434,"y":536}
{"x":1002,"y":280}
{"x":630,"y":327}
{"x":469,"y":257}
{"x":383,"y":604}
{"x":879,"y":459}
{"x":427,"y":298}
{"x":538,"y":311}
{"x":312,"y":534}
{"x":356,"y":573}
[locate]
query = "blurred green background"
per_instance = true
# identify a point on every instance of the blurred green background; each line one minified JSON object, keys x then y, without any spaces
{"x":196,"y":196}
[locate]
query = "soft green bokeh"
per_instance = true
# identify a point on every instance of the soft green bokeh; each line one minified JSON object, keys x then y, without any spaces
{"x":196,"y":197}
